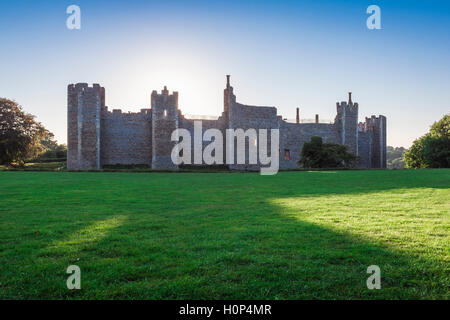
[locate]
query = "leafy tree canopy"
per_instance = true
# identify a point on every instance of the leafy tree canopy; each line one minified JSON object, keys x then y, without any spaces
{"x":395,"y":157}
{"x":20,"y":134}
{"x":433,"y":149}
{"x":441,"y":128}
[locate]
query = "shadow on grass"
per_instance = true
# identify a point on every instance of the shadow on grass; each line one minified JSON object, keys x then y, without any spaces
{"x":232,"y":241}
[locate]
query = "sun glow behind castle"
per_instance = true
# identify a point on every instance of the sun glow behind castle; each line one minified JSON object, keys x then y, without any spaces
{"x":213,"y":152}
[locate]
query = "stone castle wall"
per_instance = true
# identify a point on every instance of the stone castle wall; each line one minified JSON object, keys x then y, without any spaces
{"x":365,"y":149}
{"x":294,"y":135}
{"x":98,"y":137}
{"x":126,"y":138}
{"x":188,"y":124}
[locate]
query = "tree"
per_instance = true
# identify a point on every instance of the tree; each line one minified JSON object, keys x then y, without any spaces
{"x":20,"y":134}
{"x":433,"y":149}
{"x":52,"y":150}
{"x":395,"y":157}
{"x":316,"y":154}
{"x":49,"y":142}
{"x":58,"y":153}
{"x":441,"y":128}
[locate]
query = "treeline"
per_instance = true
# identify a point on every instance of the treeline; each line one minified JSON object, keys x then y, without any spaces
{"x":432,"y":150}
{"x":24,"y":139}
{"x":395,"y":157}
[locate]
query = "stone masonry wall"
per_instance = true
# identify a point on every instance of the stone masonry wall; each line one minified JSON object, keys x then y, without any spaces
{"x":251,"y":117}
{"x":365,"y":149}
{"x":98,"y":137}
{"x":294,"y":135}
{"x":188,"y":124}
{"x":126,"y":138}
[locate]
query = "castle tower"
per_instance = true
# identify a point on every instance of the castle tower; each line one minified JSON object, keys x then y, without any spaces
{"x":84,"y":105}
{"x":347,"y":123}
{"x":164,"y":122}
{"x":377,"y":126}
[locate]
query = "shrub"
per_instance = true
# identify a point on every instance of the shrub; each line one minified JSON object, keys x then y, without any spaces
{"x":316,"y":154}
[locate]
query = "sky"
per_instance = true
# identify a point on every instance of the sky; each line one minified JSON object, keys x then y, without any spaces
{"x":287,"y":54}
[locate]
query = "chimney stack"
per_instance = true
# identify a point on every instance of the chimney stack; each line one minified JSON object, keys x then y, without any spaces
{"x":350,"y":98}
{"x":317,"y":118}
{"x":297,"y":118}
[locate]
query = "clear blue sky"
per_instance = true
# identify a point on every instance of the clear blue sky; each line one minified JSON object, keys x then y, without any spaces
{"x":279,"y":53}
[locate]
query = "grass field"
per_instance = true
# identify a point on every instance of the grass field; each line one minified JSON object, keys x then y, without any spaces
{"x":295,"y":235}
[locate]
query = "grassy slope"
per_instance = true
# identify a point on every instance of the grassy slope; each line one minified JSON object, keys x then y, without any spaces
{"x":202,"y":236}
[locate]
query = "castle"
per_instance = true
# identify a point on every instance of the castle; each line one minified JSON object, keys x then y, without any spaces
{"x":98,"y":137}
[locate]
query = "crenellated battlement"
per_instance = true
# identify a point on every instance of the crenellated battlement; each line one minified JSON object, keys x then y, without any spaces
{"x":164,"y":101}
{"x":165,"y":92}
{"x":85,"y":89}
{"x":371,"y":123}
{"x":144,"y":113}
{"x":345,"y":107}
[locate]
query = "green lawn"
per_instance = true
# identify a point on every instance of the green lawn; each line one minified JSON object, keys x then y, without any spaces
{"x":295,"y":235}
